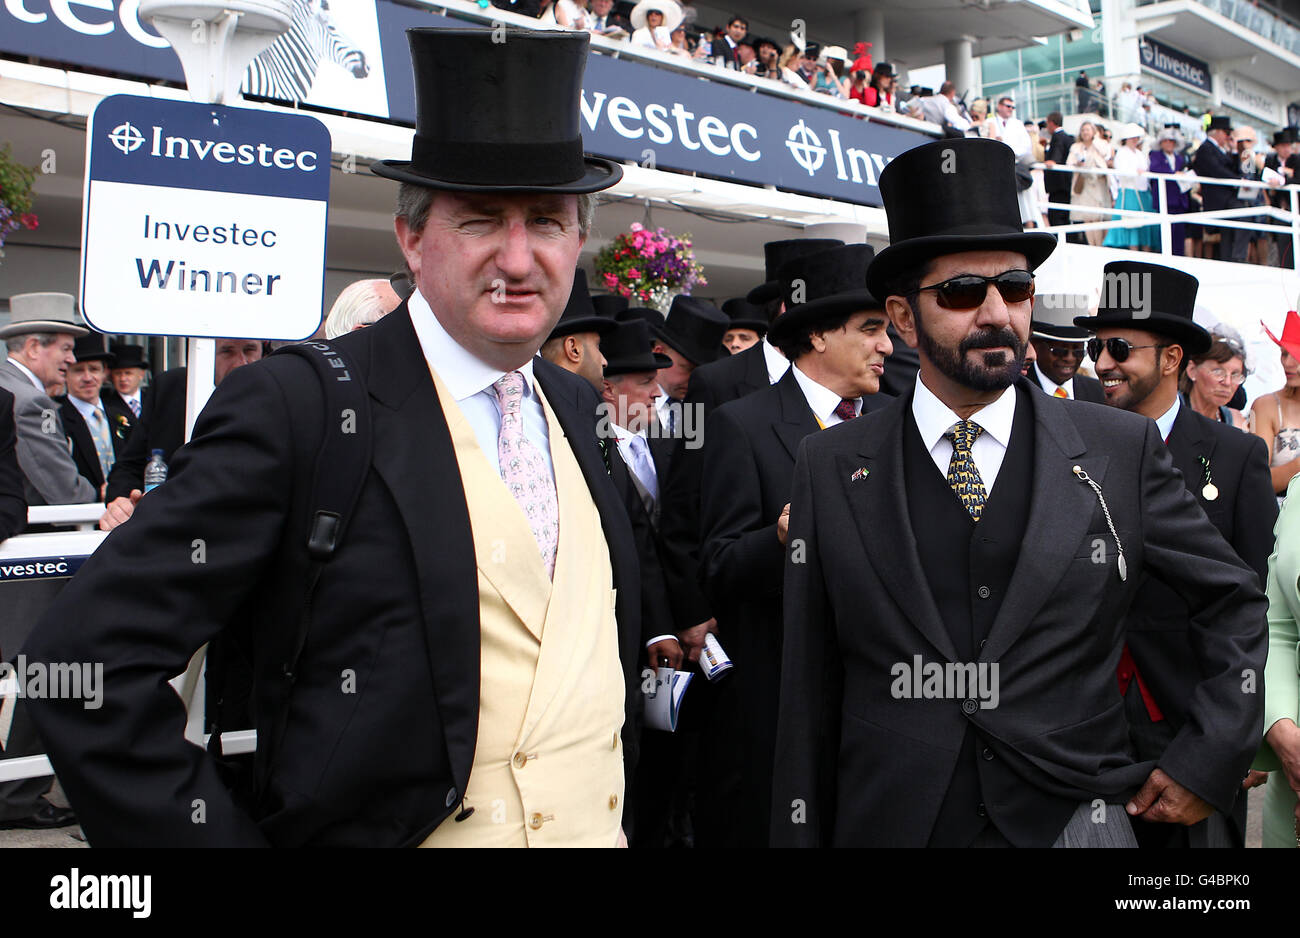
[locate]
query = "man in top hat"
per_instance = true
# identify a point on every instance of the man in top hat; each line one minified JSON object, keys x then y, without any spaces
{"x":833,"y":332}
{"x":40,"y":337}
{"x":690,"y":336}
{"x":609,"y":304}
{"x":1217,"y":157}
{"x":96,"y":438}
{"x":1141,"y":350}
{"x":1284,"y":160}
{"x":748,"y":325}
{"x":124,"y":393}
{"x":1058,"y":348}
{"x":574,"y":343}
{"x":483,"y":602}
{"x":930,"y":627}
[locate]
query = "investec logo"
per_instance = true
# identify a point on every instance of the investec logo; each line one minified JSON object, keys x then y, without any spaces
{"x":807,"y":150}
{"x":128,"y":138}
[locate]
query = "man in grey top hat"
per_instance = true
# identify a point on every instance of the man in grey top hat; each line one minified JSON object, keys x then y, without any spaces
{"x":1058,"y":344}
{"x":40,"y":338}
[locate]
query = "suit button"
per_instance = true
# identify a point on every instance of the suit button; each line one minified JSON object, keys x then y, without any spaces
{"x":987,"y":754}
{"x":983,"y":642}
{"x":614,"y":743}
{"x":520,"y":760}
{"x":535,"y":822}
{"x":613,"y":802}
{"x":969,"y":706}
{"x":981,"y":810}
{"x":451,"y":796}
{"x":984,"y":592}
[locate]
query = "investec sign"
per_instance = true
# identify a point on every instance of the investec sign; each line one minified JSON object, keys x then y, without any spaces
{"x":203,"y":220}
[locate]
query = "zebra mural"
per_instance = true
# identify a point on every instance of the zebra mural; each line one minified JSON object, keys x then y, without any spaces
{"x":286,"y":70}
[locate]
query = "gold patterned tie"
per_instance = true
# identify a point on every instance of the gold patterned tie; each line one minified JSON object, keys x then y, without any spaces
{"x":962,"y":474}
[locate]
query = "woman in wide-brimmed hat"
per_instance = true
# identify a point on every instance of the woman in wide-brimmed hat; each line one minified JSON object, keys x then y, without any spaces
{"x":1133,"y":192}
{"x":654,"y":22}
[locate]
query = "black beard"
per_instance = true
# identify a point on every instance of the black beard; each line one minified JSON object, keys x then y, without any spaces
{"x":999,"y":371}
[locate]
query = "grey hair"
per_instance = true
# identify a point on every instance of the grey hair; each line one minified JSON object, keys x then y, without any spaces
{"x":413,"y":204}
{"x":362,"y":303}
{"x":15,"y":343}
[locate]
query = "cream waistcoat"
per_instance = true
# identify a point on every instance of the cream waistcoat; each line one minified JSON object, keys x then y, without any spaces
{"x":548,"y":763}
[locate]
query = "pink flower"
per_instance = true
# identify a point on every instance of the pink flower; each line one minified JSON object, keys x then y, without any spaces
{"x":634,"y":273}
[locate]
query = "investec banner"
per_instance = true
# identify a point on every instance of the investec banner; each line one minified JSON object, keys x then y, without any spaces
{"x":1171,"y":63}
{"x":357,"y":60}
{"x":202,"y":220}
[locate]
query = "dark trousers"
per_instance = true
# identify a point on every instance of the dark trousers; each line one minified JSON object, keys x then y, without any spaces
{"x":20,"y":798}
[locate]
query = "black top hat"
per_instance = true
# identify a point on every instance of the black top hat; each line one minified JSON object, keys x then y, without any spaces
{"x":760,"y":41}
{"x":1286,"y":135}
{"x":93,"y":348}
{"x":1053,"y":316}
{"x":951,"y":196}
{"x":745,"y":315}
{"x":776,"y":253}
{"x":694,"y":328}
{"x":651,"y":317}
{"x":627,"y":350}
{"x":579,"y":315}
{"x":1220,"y":122}
{"x":609,"y":304}
{"x":485,"y":122}
{"x":128,"y":356}
{"x":1137,"y":295}
{"x":829,"y":283}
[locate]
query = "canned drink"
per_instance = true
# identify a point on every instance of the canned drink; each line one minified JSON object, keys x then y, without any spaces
{"x":714,"y":662}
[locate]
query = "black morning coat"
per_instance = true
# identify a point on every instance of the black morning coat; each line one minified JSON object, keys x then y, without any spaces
{"x":398,"y":606}
{"x":858,"y":602}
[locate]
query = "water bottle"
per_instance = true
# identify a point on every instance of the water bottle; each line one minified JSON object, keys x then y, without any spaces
{"x":155,"y":473}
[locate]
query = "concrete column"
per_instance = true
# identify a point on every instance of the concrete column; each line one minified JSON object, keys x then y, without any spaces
{"x":848,"y":232}
{"x":869,"y":26}
{"x":959,"y":65}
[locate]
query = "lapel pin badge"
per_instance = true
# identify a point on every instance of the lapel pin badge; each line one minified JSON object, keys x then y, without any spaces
{"x":1210,"y":491}
{"x":860,"y":474}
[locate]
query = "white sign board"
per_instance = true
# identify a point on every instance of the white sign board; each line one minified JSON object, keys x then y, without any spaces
{"x":203,"y":220}
{"x":1252,"y":98}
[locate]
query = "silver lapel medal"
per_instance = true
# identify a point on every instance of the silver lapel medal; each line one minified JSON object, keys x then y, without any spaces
{"x":1209,"y":490}
{"x":1084,"y":477}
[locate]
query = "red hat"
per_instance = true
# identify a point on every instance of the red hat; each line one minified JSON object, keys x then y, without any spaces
{"x":1290,"y":334}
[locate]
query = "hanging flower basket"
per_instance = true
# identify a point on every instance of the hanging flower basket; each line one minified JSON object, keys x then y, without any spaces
{"x":649,"y":267}
{"x":15,"y":196}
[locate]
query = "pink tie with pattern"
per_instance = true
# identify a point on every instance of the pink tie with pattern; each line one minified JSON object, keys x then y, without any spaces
{"x":524,"y":470}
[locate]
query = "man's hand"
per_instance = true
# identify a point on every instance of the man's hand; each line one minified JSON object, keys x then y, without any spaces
{"x":693,"y":638}
{"x":119,"y":510}
{"x":1284,"y":737}
{"x":1164,"y":800}
{"x":1254,"y":778}
{"x":783,"y":524}
{"x":666,"y":648}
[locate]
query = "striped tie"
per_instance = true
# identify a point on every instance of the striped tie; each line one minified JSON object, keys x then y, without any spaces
{"x":963,"y":476}
{"x":135,"y":407}
{"x":1060,"y":392}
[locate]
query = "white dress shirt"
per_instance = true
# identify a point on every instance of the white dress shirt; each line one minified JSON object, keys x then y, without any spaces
{"x":470,"y":382}
{"x":934,"y":419}
{"x":1165,"y":422}
{"x":87,"y":410}
{"x":1014,"y":135}
{"x":821,"y":399}
{"x":1050,"y":386}
{"x":777,"y":364}
{"x":30,"y":377}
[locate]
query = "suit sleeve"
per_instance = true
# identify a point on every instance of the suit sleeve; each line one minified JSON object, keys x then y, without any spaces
{"x":1281,"y":683}
{"x":1256,"y":510}
{"x":807,"y":733}
{"x":741,"y":553}
{"x":43,"y":454}
{"x":13,"y":504}
{"x":160,"y":586}
{"x":1226,"y":630}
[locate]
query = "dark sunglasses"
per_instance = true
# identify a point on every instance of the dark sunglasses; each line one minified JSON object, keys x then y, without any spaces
{"x":1066,"y":351}
{"x":969,"y":290}
{"x":1118,"y":348}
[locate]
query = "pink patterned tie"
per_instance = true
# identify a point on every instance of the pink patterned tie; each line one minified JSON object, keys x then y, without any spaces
{"x":524,"y":470}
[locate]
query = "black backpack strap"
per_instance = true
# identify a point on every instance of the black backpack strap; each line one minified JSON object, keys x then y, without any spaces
{"x":342,"y":465}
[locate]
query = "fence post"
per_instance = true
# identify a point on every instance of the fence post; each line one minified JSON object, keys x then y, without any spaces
{"x":1166,"y":229}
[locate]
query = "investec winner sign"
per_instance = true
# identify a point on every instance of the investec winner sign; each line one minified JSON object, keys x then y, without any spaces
{"x":203,"y":220}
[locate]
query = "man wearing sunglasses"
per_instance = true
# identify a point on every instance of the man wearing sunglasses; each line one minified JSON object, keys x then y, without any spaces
{"x":1058,"y":346}
{"x":960,"y":563}
{"x":1141,"y":350}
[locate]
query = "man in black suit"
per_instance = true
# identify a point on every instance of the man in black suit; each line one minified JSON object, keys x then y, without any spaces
{"x":401,"y":619}
{"x":1217,"y":157}
{"x":834,"y":334}
{"x":1140,"y":360}
{"x":13,"y":504}
{"x":1058,"y":347}
{"x":97,"y":438}
{"x":1284,"y":160}
{"x":960,"y":563}
{"x":1058,"y":184}
{"x":162,"y":426}
{"x":124,"y":393}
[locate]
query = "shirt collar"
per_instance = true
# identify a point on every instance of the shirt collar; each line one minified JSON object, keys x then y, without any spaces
{"x":934,"y":418}
{"x":776,"y":362}
{"x":27,"y":371}
{"x":87,"y":410}
{"x":1050,"y":386}
{"x":1165,"y":422}
{"x":464,"y":374}
{"x":821,"y":399}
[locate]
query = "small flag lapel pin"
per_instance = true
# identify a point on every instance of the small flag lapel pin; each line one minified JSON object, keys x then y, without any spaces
{"x":860,"y":474}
